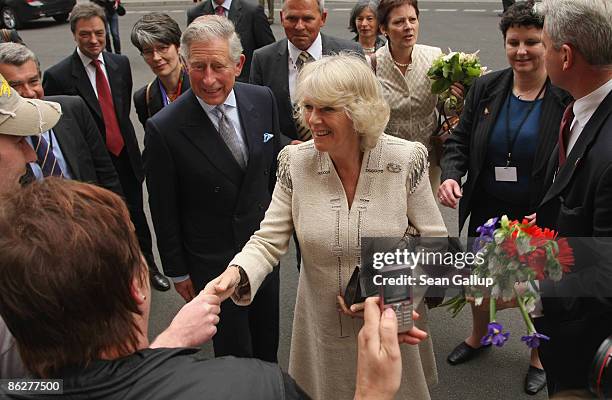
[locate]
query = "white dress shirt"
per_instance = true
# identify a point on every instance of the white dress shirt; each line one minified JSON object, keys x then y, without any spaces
{"x":584,"y":108}
{"x":315,"y":50}
{"x":90,"y":69}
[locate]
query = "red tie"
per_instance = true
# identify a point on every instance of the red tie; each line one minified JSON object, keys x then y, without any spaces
{"x":564,"y":132}
{"x":219,"y":10}
{"x":114,"y":140}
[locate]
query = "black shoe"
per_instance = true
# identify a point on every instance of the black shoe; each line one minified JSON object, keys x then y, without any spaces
{"x":159,"y":281}
{"x":535,"y":380}
{"x":464,"y":352}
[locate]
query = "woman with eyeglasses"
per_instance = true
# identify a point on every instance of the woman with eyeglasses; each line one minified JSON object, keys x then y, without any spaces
{"x":158,"y":38}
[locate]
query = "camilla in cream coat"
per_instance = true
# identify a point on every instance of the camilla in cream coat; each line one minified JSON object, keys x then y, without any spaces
{"x":401,"y":68}
{"x":348,"y":182}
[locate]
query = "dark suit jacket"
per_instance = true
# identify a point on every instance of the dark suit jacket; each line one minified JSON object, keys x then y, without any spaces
{"x":465,"y":150}
{"x":156,"y":102}
{"x":270,"y":68}
{"x":69,"y":77}
{"x":577,"y":314}
{"x":251,"y":25}
{"x":204,"y":206}
{"x":82,"y":146}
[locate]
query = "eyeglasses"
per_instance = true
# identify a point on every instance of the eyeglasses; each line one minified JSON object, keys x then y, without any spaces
{"x":161,"y":50}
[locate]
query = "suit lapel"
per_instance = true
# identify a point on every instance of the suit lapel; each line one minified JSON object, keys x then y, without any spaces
{"x":83,"y":85}
{"x":156,"y":101}
{"x":115,"y":81}
{"x":249,"y":119}
{"x":202,"y":133}
{"x":490,"y":106}
{"x":584,"y":142}
{"x":65,"y":138}
{"x":235,"y":13}
{"x":281,"y":82}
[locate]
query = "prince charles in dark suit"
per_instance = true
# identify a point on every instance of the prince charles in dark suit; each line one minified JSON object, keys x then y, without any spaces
{"x":210,"y":162}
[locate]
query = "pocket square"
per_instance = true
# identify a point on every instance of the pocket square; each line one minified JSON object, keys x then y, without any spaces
{"x":267,"y":136}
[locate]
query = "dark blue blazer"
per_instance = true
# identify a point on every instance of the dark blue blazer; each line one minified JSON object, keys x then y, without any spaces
{"x":204,"y":206}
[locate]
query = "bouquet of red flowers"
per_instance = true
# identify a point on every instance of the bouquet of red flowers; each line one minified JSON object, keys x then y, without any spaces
{"x":516,"y":253}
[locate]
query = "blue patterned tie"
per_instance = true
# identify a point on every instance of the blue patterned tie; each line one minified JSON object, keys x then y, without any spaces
{"x":45,"y":157}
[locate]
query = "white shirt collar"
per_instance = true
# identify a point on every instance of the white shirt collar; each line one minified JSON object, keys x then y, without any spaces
{"x":315,"y":49}
{"x":229,"y":101}
{"x":226,"y":4}
{"x":86,"y":60}
{"x":585,"y":107}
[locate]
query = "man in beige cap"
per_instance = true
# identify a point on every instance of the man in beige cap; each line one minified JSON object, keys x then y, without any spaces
{"x":19,"y":118}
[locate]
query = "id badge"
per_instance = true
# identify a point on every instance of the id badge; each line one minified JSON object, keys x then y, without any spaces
{"x":505,"y":174}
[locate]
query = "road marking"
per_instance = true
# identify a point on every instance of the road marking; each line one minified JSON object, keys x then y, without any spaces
{"x":469,"y":10}
{"x":445,"y":10}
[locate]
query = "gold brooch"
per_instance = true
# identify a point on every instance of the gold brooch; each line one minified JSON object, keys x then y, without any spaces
{"x":392,"y":167}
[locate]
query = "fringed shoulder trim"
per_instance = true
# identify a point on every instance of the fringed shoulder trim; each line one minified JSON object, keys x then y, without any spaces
{"x":418,"y":166}
{"x":283,"y":175}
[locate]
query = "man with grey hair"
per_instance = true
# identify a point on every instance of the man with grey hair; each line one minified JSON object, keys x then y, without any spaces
{"x":577,"y":310}
{"x":210,"y":161}
{"x":277,"y":65}
{"x":75,"y":141}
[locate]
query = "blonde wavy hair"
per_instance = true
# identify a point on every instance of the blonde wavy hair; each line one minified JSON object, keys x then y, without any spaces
{"x":345,"y":80}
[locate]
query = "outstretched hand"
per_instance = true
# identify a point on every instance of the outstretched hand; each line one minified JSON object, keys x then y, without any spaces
{"x":225,"y":284}
{"x":194,"y":324}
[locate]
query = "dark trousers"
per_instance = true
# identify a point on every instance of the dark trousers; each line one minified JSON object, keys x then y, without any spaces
{"x":251,"y":331}
{"x":112,"y":30}
{"x":485,"y":206}
{"x":132,"y":190}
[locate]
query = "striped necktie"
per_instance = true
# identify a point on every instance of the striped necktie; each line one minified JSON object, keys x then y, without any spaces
{"x":45,"y":157}
{"x":229,"y":136}
{"x":303,"y":132}
{"x":565,"y":132}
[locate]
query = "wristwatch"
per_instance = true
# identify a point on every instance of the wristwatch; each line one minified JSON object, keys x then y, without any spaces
{"x":243,"y":286}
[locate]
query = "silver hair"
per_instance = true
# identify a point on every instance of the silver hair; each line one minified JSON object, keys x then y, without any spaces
{"x":154,"y":28}
{"x":210,"y":27}
{"x":320,"y":5}
{"x":585,"y":24}
{"x":346,"y":81}
{"x":17,"y":54}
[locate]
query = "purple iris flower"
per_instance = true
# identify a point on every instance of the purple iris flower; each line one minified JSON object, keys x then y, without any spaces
{"x":494,"y":335}
{"x":486,"y":234}
{"x":533,"y":340}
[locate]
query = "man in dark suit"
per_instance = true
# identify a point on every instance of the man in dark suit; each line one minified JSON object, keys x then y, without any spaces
{"x":250,"y":22}
{"x":104,"y":81}
{"x":577,"y":310}
{"x":210,"y":161}
{"x":80,"y":147}
{"x":276,"y":65}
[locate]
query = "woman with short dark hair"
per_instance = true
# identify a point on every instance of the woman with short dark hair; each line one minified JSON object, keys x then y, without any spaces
{"x":401,"y":66}
{"x":158,"y":38}
{"x":504,"y":139}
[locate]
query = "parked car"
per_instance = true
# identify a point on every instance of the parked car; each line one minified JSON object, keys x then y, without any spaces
{"x":13,"y":13}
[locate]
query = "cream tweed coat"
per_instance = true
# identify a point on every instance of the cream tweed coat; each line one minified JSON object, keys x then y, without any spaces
{"x":413,"y":106}
{"x":392,"y":191}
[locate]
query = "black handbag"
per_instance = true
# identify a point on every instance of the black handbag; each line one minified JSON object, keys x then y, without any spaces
{"x":120,"y":10}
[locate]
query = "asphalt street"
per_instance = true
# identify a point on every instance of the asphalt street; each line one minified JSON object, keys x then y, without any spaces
{"x":465,"y":26}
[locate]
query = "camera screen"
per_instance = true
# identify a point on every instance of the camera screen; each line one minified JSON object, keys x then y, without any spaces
{"x":395,"y":293}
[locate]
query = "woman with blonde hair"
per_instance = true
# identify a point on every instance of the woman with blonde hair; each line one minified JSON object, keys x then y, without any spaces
{"x":350,"y":181}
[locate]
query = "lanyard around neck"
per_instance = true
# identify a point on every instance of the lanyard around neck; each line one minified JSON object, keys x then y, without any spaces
{"x":511,"y":139}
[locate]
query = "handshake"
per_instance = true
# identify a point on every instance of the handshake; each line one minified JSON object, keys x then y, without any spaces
{"x":379,"y":363}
